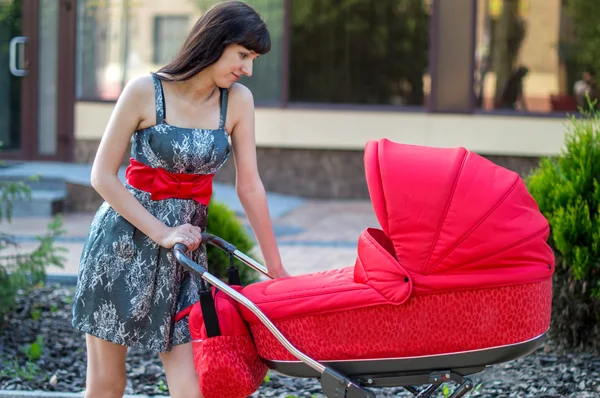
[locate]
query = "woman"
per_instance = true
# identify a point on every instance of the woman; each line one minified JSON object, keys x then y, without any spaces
{"x":129,"y":285}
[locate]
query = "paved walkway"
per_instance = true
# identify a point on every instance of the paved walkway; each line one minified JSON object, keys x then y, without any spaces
{"x":313,"y":235}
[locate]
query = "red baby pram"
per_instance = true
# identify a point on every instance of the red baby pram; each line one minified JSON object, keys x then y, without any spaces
{"x":457,"y":278}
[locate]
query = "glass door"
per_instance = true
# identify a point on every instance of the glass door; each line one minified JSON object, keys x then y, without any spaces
{"x":13,"y":68}
{"x":37,"y":44}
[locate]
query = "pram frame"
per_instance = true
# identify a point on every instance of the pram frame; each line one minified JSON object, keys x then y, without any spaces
{"x":348,"y":379}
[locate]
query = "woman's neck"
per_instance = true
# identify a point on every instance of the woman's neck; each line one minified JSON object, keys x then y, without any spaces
{"x":200,"y":88}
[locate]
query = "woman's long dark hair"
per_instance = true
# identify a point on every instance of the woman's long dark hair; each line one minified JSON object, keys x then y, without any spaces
{"x":230,"y":22}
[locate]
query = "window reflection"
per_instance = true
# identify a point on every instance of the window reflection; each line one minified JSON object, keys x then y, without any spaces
{"x":359,"y":52}
{"x":121,"y":39}
{"x":526,"y":57}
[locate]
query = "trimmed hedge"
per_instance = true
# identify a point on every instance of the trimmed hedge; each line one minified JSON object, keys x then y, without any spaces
{"x":567,"y":190}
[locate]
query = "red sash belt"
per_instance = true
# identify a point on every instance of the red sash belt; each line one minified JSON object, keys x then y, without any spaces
{"x":162,"y":184}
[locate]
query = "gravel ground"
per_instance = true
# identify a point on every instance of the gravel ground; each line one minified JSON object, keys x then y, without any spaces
{"x":46,"y":313}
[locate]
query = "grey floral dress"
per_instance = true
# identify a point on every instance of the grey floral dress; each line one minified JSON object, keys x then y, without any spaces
{"x":128,"y":287}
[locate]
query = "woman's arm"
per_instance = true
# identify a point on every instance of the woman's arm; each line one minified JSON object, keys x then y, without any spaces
{"x":126,"y":117}
{"x":249,"y":186}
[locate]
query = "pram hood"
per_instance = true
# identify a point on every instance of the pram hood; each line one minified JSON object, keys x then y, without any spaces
{"x":454,"y":221}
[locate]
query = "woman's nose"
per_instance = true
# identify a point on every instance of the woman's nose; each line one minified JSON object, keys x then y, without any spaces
{"x":247,"y":68}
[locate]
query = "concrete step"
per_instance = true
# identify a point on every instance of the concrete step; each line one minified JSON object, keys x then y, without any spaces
{"x":43,"y":203}
{"x":43,"y":183}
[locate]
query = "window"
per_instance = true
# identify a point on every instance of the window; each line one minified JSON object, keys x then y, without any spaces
{"x":117,"y":40}
{"x":121,"y":39}
{"x":359,"y":52}
{"x":526,"y":56}
{"x":267,"y":72}
{"x":169,"y":35}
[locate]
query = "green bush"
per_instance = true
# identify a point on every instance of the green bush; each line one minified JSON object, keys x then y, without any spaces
{"x":23,"y":271}
{"x":223,"y":223}
{"x":567,"y":190}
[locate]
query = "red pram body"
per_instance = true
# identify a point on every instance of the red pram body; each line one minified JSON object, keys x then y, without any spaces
{"x":457,"y":278}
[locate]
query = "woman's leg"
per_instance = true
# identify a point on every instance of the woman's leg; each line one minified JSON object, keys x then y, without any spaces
{"x":106,"y":375}
{"x":181,"y":375}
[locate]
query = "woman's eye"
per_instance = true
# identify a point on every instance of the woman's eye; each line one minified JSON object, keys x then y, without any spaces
{"x":243,"y":55}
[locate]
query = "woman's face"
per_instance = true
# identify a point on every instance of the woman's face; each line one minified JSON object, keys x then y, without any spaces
{"x":235,"y":62}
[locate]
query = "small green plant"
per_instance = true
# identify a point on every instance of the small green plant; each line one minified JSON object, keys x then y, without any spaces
{"x":9,"y":193}
{"x":223,"y":223}
{"x":34,"y":350}
{"x":26,"y":271}
{"x":162,"y":386}
{"x":445,"y":390}
{"x":23,"y":271}
{"x":29,"y":371}
{"x":36,"y":313}
{"x":53,"y":308}
{"x":567,"y":190}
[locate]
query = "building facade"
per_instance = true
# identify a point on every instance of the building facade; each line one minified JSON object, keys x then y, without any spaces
{"x":340,"y":73}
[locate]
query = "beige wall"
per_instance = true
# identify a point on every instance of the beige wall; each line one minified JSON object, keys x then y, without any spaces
{"x":539,"y":48}
{"x":337,"y":129}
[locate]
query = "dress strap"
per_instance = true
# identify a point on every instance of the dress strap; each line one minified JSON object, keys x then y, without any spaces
{"x":223,"y":117}
{"x":159,"y":100}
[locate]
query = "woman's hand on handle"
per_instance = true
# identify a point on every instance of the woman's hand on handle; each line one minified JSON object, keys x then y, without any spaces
{"x":279,"y":273}
{"x":187,"y":234}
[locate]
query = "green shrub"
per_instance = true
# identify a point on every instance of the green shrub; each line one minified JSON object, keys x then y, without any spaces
{"x":567,"y":190}
{"x":223,"y":223}
{"x":23,"y":271}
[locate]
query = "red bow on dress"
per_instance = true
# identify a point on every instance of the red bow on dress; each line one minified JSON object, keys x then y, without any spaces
{"x":162,"y":184}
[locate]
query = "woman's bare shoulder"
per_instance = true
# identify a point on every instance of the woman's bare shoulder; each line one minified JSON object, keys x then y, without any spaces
{"x":139,"y":87}
{"x":240,"y":105}
{"x":240,"y":100}
{"x":138,"y":98}
{"x":241,"y":95}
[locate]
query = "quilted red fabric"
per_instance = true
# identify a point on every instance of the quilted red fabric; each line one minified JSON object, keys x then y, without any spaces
{"x":424,"y":325}
{"x":227,"y":365}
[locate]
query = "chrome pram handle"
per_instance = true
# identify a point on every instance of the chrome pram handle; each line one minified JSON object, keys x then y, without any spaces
{"x":334,"y":383}
{"x":233,"y":251}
